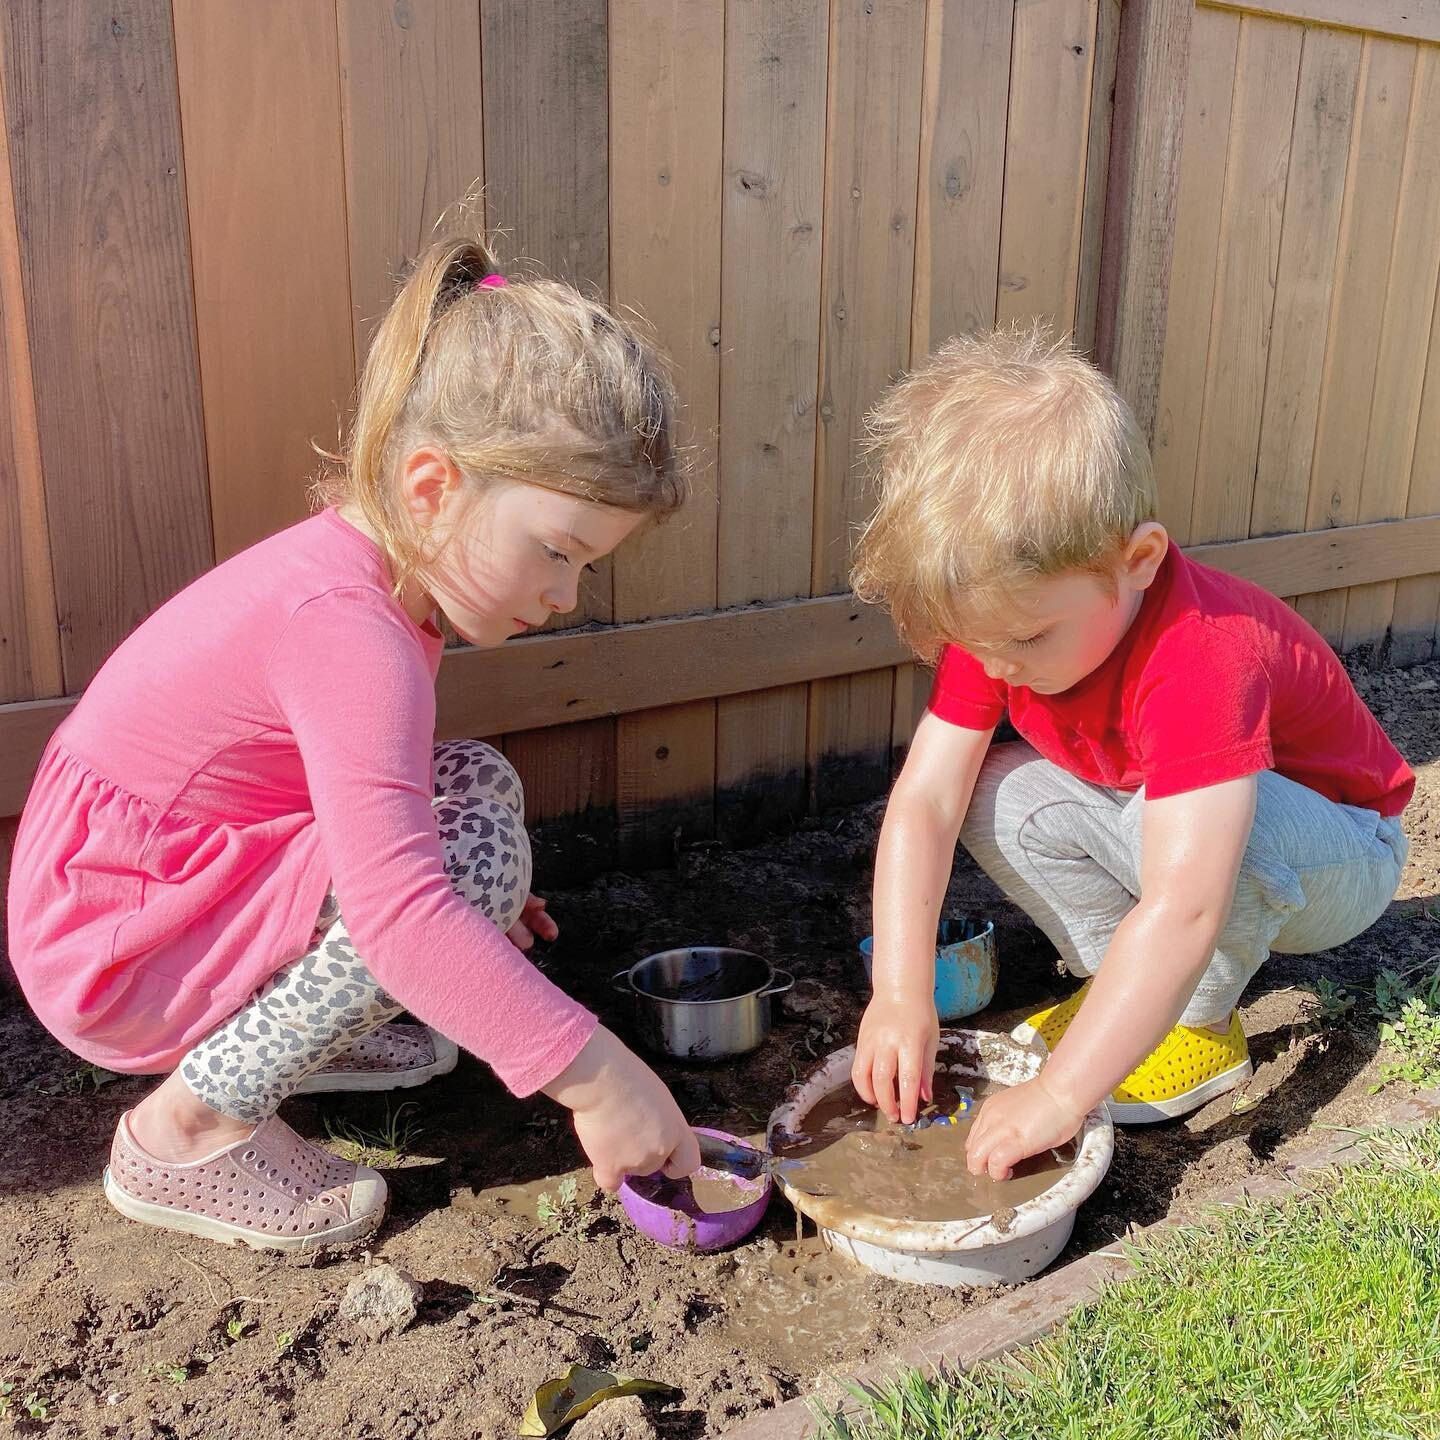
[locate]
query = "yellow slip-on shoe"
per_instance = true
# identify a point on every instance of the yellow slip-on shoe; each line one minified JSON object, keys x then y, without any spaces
{"x":1188,"y":1067}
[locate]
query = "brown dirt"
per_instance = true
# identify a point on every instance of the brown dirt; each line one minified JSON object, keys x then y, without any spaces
{"x":122,"y":1331}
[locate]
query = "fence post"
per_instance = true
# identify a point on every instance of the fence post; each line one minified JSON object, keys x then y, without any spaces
{"x":1139,"y":232}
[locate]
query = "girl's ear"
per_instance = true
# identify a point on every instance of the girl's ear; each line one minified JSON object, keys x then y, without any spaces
{"x":1147,"y":547}
{"x":430,"y":484}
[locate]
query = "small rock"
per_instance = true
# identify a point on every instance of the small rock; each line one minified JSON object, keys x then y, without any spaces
{"x":1420,"y":685}
{"x":381,"y":1302}
{"x":623,"y":1419}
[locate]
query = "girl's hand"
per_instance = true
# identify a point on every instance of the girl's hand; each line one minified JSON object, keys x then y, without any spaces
{"x":896,"y":1048}
{"x":627,"y":1121}
{"x":1016,"y":1123}
{"x":534,"y":924}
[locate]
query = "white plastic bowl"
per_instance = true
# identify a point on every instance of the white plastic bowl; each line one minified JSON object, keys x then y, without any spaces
{"x":998,"y":1249}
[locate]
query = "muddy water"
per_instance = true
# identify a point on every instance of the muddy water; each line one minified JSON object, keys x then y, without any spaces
{"x":800,"y":1304}
{"x":707,"y":1192}
{"x":868,"y":1167}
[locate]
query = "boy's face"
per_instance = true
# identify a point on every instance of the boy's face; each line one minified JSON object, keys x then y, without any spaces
{"x":1057,"y":629}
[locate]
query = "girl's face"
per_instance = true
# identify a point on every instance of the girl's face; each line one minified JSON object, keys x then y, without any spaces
{"x":514,"y":555}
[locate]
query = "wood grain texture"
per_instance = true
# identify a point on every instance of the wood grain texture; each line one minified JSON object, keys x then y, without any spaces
{"x":1097,"y":172}
{"x":1415,"y":624}
{"x":546,"y":107}
{"x":962,"y":170}
{"x":1367,"y":231}
{"x":1051,"y":65}
{"x":29,"y":636}
{"x":546,"y":126}
{"x":94,"y":133}
{"x":1256,"y":170}
{"x":1305,"y":279}
{"x":667,"y":73}
{"x":272,"y":291}
{"x":1404,"y":344}
{"x":1185,"y":334}
{"x":776,"y":62}
{"x":1413,"y":19}
{"x":1150,"y":114}
{"x":414,"y":147}
{"x":871,"y":172}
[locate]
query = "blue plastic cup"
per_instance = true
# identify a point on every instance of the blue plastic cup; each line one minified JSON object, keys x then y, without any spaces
{"x":964,"y":966}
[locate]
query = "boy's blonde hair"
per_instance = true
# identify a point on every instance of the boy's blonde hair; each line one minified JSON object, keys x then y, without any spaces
{"x":1004,"y":457}
{"x":528,"y":380}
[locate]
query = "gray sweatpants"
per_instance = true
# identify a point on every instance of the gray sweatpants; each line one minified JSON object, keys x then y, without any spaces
{"x":1315,"y":873}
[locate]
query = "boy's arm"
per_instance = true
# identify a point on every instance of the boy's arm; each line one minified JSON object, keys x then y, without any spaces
{"x":899,"y":1033}
{"x":1190,"y":858}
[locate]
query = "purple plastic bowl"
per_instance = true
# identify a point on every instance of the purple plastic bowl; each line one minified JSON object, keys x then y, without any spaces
{"x":665,"y":1210}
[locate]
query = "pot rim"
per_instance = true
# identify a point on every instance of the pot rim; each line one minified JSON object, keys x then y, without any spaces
{"x":1097,"y":1147}
{"x":768,"y":986}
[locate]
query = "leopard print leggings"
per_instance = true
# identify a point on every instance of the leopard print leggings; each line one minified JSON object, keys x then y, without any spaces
{"x":318,"y":1005}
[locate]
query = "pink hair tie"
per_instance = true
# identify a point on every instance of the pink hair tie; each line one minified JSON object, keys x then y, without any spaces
{"x":493,"y":282}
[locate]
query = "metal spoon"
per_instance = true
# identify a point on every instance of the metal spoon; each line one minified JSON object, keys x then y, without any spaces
{"x":750,"y":1163}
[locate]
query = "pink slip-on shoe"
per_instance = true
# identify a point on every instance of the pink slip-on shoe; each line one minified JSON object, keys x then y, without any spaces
{"x":391,"y":1057}
{"x":271,"y":1191}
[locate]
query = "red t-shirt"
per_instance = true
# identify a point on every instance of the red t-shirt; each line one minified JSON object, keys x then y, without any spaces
{"x":1214,"y":680}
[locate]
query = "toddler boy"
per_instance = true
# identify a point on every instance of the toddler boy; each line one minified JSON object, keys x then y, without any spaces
{"x":1197,"y":782}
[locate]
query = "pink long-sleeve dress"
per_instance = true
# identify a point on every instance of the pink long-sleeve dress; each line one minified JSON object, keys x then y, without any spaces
{"x":265,"y":734}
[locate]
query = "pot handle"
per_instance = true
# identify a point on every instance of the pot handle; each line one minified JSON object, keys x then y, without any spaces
{"x":779,"y":988}
{"x":617,"y":977}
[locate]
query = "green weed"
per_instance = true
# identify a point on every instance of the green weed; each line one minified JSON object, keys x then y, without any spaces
{"x":91,"y":1077}
{"x":562,"y":1210}
{"x":380,"y":1147}
{"x":35,"y":1405}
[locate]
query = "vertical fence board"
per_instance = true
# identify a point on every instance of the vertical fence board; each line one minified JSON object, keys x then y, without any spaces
{"x":1262,"y":122}
{"x":410,"y":95}
{"x":962,"y":170}
{"x":29,"y":637}
{"x":94,"y":133}
{"x":775,"y":82}
{"x":1305,"y":279}
{"x":1404,"y":341}
{"x":1416,"y":620}
{"x":667,"y":69}
{"x":1097,"y":171}
{"x":871,"y":172}
{"x":546,"y":80}
{"x":1142,"y":186}
{"x":1050,"y":70}
{"x":258,"y":82}
{"x":1367,"y":228}
{"x":1180,"y":404}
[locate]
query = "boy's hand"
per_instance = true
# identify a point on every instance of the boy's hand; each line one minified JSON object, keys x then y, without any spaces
{"x":534,"y":924}
{"x":895,"y":1056}
{"x":1016,"y":1123}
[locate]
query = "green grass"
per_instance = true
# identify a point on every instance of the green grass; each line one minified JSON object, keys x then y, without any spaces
{"x":382,"y":1146}
{"x":1317,"y":1319}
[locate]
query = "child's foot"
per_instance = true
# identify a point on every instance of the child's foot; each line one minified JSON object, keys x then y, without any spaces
{"x":271,"y":1191}
{"x":1189,"y":1067}
{"x":391,"y":1057}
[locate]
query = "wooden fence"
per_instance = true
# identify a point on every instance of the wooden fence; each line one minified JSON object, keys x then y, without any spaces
{"x":203,"y":204}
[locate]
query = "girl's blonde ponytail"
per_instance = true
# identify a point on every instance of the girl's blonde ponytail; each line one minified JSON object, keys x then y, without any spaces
{"x":440,"y":275}
{"x":528,"y":380}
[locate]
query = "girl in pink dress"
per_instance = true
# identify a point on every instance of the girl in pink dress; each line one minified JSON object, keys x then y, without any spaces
{"x":243,"y":855}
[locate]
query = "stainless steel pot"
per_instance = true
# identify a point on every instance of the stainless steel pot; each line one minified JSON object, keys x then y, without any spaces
{"x":702,"y":1002}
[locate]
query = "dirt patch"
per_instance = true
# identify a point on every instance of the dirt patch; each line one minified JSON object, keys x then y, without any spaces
{"x":127,"y":1332}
